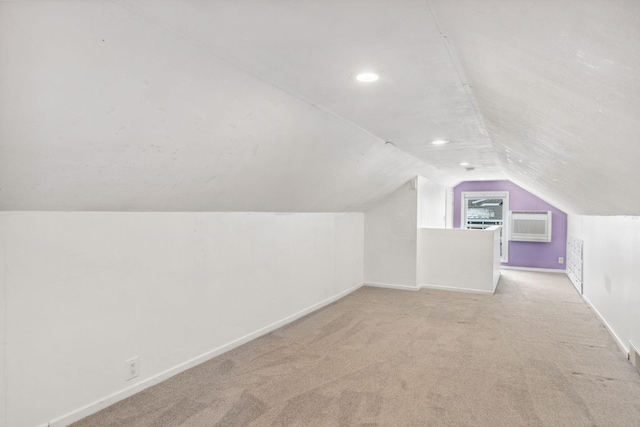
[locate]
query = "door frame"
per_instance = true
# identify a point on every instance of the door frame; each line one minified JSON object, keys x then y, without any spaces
{"x":504,"y":195}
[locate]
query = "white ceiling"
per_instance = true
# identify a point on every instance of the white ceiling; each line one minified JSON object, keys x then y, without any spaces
{"x":253,"y":105}
{"x":558,"y":87}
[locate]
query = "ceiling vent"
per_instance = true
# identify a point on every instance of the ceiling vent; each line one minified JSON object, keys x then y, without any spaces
{"x":531,"y":226}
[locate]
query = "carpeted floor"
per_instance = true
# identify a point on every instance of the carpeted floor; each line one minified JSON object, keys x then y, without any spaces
{"x":533,"y":354}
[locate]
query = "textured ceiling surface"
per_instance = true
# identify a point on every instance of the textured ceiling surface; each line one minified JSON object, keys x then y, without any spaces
{"x":254,"y":106}
{"x":558,"y":86}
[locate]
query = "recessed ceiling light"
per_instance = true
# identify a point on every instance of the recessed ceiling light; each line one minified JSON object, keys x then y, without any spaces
{"x":367,"y":77}
{"x":440,"y":142}
{"x":465,"y":164}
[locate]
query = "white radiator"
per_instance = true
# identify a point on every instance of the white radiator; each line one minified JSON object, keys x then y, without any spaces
{"x":574,"y":261}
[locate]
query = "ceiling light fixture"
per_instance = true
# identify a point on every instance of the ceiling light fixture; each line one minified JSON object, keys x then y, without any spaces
{"x":465,"y":164}
{"x":367,"y":77}
{"x":440,"y":142}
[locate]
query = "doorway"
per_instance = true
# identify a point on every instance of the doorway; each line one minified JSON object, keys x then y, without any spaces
{"x":482,"y":209}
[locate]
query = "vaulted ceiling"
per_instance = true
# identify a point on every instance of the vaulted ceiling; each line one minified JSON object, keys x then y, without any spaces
{"x":253,"y":105}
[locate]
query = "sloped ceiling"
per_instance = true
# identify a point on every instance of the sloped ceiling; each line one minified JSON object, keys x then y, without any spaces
{"x":558,"y":87}
{"x":253,"y":106}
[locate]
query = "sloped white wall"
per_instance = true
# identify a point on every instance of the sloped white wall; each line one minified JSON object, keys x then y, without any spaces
{"x":86,"y":291}
{"x":392,"y":236}
{"x":104,"y":110}
{"x":611,"y":271}
{"x":390,"y":239}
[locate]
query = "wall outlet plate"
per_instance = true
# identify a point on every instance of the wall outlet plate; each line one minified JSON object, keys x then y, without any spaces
{"x":132,"y":368}
{"x":560,"y":260}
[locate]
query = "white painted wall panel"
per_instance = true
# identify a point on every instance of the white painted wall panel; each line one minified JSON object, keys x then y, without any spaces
{"x":349,"y":254}
{"x":86,"y":291}
{"x":432,"y":204}
{"x":432,"y":212}
{"x":3,"y":325}
{"x":390,"y":239}
{"x":611,"y":253}
{"x":460,"y":259}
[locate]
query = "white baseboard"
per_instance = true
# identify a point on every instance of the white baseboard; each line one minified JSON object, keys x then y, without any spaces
{"x":98,"y":405}
{"x":574,"y":280}
{"x":428,"y":286}
{"x":539,"y":270}
{"x":390,"y":286}
{"x":634,"y":355}
{"x":448,"y":288}
{"x":620,"y":343}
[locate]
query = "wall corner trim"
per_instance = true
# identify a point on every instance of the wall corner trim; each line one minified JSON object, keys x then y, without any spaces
{"x":539,"y":270}
{"x":456,"y":289}
{"x":100,"y":404}
{"x":390,"y":286}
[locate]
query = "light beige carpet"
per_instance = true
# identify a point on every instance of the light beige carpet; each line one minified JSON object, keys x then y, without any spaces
{"x":533,"y":354}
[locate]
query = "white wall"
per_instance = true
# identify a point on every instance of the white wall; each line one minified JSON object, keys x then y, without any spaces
{"x":459,"y":259}
{"x":432,"y":213}
{"x":450,"y":207}
{"x":3,"y":326}
{"x":432,"y":204}
{"x":86,"y":291}
{"x":390,"y":239}
{"x":611,"y":272}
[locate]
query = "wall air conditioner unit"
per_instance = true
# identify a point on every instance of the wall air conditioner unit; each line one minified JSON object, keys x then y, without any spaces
{"x":531,"y":226}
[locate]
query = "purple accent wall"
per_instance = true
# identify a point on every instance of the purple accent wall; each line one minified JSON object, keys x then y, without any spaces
{"x":523,"y":254}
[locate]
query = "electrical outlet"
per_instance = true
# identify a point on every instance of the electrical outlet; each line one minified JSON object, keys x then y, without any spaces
{"x":560,"y":260}
{"x":133,"y":368}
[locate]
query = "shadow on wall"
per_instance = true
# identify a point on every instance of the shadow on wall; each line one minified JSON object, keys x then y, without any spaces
{"x":607,"y":283}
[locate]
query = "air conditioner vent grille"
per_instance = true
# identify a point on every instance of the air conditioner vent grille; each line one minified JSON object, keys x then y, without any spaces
{"x":531,"y":226}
